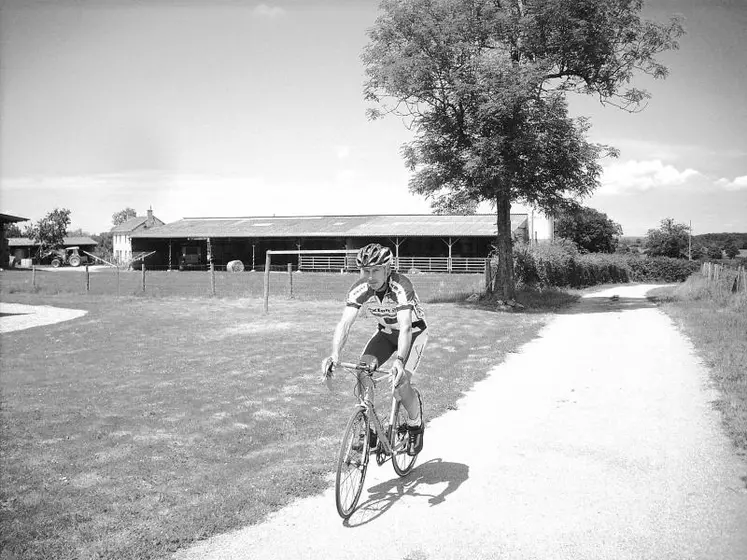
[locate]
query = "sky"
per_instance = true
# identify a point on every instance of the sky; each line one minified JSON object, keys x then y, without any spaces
{"x":240,"y":108}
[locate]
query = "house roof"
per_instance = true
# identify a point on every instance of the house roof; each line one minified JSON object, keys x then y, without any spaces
{"x":134,"y":223}
{"x":67,"y":242}
{"x":9,"y":219}
{"x":407,"y":225}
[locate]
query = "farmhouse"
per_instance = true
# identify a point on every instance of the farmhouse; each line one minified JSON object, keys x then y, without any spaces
{"x":122,"y":235}
{"x":448,"y":243}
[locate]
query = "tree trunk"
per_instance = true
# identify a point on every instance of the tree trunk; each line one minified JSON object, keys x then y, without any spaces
{"x":504,"y":281}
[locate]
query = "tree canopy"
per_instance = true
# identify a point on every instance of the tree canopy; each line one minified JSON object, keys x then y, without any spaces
{"x":104,"y":247}
{"x":123,"y":215}
{"x":482,"y":83}
{"x":50,"y":231}
{"x":714,"y":252}
{"x":669,"y":240}
{"x":13,"y":230}
{"x":592,"y":231}
{"x":731,"y":249}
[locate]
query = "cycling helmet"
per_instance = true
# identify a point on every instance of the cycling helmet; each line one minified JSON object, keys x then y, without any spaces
{"x":374,"y":254}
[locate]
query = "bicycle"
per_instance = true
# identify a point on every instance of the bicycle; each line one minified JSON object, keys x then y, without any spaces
{"x":392,"y":439}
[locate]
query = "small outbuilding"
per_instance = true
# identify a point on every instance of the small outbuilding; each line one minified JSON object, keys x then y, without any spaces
{"x":4,"y":248}
{"x":22,"y":248}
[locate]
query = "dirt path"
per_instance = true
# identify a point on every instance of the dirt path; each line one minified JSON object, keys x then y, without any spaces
{"x":17,"y":316}
{"x":595,"y":441}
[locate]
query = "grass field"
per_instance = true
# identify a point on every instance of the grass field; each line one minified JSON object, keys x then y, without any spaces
{"x":310,"y":286}
{"x":715,"y":320}
{"x":153,"y":422}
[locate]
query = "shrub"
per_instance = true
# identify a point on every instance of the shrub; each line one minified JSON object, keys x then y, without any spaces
{"x":560,"y":264}
{"x":661,"y":269}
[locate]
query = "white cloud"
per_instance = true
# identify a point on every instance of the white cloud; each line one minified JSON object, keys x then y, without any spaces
{"x":342,"y":152}
{"x":738,"y":184}
{"x":640,"y":176}
{"x":263,"y":10}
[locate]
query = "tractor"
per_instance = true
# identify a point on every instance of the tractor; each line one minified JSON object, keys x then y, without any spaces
{"x":63,"y":256}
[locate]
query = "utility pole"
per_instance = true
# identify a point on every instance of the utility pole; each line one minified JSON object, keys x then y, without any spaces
{"x":690,"y":242}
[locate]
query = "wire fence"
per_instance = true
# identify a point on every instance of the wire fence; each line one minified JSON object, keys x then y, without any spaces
{"x":110,"y":281}
{"x":725,"y":278}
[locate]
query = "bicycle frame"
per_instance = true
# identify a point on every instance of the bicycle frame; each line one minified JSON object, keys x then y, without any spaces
{"x":365,"y":394}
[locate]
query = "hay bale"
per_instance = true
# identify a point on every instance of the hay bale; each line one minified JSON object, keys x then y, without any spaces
{"x":235,"y":266}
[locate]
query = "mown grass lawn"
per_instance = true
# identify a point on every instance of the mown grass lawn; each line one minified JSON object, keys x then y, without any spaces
{"x":150,"y":423}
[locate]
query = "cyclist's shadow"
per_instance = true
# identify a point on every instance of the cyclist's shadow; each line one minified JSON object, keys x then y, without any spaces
{"x":434,"y":472}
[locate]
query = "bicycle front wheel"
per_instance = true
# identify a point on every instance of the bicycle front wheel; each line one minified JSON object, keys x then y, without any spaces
{"x":352,"y":464}
{"x":400,"y":438}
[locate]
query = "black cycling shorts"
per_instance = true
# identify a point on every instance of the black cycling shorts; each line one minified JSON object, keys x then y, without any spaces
{"x":383,"y":345}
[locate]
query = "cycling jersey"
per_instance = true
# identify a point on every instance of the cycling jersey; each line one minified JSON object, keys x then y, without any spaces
{"x":397,"y":294}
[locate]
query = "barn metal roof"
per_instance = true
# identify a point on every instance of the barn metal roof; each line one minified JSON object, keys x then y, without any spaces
{"x":10,"y":218}
{"x":403,"y":225}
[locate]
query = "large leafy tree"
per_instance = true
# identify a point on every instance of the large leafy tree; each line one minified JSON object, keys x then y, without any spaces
{"x":669,"y":240}
{"x":104,"y":247}
{"x":123,"y":215}
{"x":13,"y":230}
{"x":50,"y":231}
{"x":731,"y":249}
{"x":592,"y":231}
{"x":482,"y":83}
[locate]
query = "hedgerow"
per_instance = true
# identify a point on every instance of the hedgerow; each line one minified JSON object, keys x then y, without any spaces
{"x":661,"y":269}
{"x":560,"y":264}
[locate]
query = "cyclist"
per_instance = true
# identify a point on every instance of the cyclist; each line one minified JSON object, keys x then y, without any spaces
{"x":391,"y":299}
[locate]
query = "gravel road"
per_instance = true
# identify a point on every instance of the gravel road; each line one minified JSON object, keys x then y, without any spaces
{"x":17,"y":316}
{"x":595,"y":441}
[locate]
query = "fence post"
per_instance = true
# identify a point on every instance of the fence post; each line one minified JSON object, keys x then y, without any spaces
{"x":212,"y":279}
{"x":290,"y":280}
{"x":33,"y":276}
{"x":88,"y":280}
{"x":117,"y":280}
{"x":267,"y":281}
{"x":143,"y":269}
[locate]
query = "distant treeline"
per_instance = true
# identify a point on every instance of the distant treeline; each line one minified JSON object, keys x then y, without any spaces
{"x":720,"y":239}
{"x":704,"y":240}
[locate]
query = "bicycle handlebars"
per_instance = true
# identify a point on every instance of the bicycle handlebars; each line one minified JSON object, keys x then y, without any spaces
{"x":365,"y":369}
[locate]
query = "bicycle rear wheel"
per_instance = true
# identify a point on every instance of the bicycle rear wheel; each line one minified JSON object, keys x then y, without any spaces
{"x":400,"y":438}
{"x":352,"y":464}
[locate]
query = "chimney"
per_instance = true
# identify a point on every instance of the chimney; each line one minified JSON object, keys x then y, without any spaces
{"x":150,"y":215}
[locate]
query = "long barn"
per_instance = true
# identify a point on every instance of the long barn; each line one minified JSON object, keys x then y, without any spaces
{"x":425,"y":241}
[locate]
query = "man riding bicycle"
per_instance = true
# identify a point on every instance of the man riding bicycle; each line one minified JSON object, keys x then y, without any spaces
{"x":391,"y":298}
